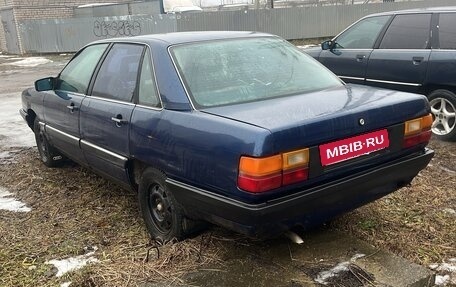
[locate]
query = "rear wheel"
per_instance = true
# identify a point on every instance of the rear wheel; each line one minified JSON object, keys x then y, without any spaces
{"x":49,"y":155}
{"x":164,"y":217}
{"x":443,"y":107}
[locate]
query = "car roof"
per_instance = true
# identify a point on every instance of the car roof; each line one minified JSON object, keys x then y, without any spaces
{"x":189,"y":37}
{"x":418,"y":10}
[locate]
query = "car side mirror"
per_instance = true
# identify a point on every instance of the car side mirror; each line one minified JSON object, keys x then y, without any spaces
{"x":327,"y":45}
{"x":46,"y":84}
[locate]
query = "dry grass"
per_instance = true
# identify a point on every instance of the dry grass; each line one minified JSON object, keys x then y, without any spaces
{"x":73,"y":209}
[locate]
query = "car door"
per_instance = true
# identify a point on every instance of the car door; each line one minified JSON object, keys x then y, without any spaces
{"x":442,"y":64}
{"x":401,"y":60}
{"x":148,"y":128}
{"x":61,"y":106}
{"x":105,"y":114}
{"x":351,"y":50}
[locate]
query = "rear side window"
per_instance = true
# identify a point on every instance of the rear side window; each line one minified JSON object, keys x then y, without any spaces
{"x":447,"y":31}
{"x":147,"y":92}
{"x":118,"y":73}
{"x":363,"y":34}
{"x":408,"y":32}
{"x":76,"y":75}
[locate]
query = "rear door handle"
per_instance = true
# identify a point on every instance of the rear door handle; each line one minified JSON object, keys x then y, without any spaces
{"x":417,"y":60}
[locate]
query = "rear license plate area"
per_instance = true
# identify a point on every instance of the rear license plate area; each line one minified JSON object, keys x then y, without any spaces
{"x":353,"y":147}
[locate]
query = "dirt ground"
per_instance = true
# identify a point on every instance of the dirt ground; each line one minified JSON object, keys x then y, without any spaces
{"x":76,"y":212}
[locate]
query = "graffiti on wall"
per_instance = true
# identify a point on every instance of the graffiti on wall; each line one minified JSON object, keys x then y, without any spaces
{"x":104,"y":29}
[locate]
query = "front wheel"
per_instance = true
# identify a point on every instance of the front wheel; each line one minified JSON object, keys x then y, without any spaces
{"x":443,"y":107}
{"x":49,"y":155}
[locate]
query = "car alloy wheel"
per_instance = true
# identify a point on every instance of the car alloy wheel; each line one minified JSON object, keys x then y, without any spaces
{"x":444,"y":116}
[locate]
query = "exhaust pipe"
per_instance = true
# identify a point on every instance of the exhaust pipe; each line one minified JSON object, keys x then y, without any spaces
{"x":294,"y":237}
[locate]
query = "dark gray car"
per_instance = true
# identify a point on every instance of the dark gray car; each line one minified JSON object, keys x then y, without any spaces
{"x":412,"y":50}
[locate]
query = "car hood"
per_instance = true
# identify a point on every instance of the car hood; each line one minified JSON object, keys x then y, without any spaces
{"x":318,"y":117}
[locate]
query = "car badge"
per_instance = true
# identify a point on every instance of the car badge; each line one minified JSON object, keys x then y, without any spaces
{"x":361,"y":122}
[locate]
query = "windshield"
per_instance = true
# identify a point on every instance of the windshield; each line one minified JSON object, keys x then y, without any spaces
{"x":244,"y":70}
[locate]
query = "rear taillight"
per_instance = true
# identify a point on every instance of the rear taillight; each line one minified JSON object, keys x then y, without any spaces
{"x":417,"y":131}
{"x":295,"y":166}
{"x":260,"y":174}
{"x":263,"y":174}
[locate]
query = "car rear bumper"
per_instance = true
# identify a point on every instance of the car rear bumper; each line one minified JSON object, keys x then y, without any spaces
{"x":304,"y":208}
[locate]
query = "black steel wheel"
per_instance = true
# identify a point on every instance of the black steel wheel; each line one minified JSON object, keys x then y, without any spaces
{"x":162,"y":214}
{"x":160,"y":208}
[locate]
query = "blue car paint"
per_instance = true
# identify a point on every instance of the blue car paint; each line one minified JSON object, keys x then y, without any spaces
{"x":196,"y":148}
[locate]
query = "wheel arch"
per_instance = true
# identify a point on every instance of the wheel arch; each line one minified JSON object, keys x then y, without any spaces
{"x":31,"y":116}
{"x":136,"y":168}
{"x":430,"y":88}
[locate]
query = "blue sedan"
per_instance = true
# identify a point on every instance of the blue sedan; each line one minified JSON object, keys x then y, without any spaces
{"x":239,"y":129}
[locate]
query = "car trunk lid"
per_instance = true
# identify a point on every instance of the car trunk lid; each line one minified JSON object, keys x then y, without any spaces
{"x":325,"y":116}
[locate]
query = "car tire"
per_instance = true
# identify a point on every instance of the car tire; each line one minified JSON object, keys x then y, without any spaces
{"x":443,"y":108}
{"x":49,"y":155}
{"x":163,"y":215}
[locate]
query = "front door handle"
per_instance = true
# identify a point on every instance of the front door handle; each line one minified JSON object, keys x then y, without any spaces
{"x":119,"y":120}
{"x":360,"y":58}
{"x":72,"y":107}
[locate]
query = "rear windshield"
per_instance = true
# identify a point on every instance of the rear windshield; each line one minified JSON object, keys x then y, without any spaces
{"x":235,"y":71}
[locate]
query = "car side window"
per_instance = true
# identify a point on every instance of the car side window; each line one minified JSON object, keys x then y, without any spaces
{"x":447,"y":31}
{"x":75,"y":77}
{"x":363,"y":34}
{"x":410,"y":31}
{"x":117,"y":76}
{"x":147,"y":90}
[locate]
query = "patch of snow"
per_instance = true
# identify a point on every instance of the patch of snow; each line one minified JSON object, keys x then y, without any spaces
{"x":30,"y":62}
{"x":14,"y":131}
{"x":441,"y":280}
{"x":433,"y":266}
{"x":447,"y":267}
{"x":7,"y":156}
{"x":323,"y":276}
{"x":449,"y":211}
{"x":4,"y":155}
{"x":447,"y":272}
{"x":73,"y":263}
{"x":66,"y":284}
{"x":5,"y":56}
{"x":7,"y":202}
